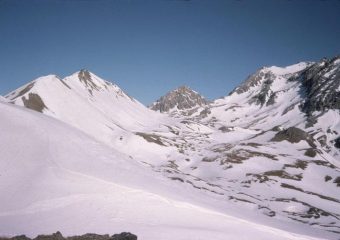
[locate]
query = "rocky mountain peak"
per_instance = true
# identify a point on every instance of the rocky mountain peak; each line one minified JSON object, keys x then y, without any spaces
{"x":84,"y":75}
{"x":179,"y":99}
{"x":86,"y":78}
{"x":184,"y":89}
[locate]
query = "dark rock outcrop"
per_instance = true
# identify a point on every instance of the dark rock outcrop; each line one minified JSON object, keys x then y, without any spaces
{"x":337,"y":143}
{"x":337,"y":181}
{"x":124,"y":236}
{"x":34,"y":102}
{"x":266,"y":95}
{"x":293,"y":135}
{"x":310,"y":152}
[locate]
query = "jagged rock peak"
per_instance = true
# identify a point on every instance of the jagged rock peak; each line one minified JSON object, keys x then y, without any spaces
{"x":84,"y":75}
{"x":179,"y":99}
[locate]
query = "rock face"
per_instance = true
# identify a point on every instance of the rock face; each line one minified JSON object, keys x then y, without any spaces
{"x":321,"y":86}
{"x":88,"y":236}
{"x":181,"y":98}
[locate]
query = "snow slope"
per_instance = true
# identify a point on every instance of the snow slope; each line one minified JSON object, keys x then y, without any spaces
{"x":54,"y":177}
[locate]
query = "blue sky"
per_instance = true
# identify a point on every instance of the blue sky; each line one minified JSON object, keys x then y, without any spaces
{"x":149,"y":47}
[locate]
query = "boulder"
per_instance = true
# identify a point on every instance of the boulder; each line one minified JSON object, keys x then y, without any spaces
{"x":293,"y":135}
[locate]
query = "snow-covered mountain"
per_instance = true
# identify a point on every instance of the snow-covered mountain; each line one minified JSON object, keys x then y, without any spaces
{"x":83,"y":100}
{"x":55,"y":177}
{"x":267,"y":152}
{"x":179,"y":100}
{"x":272,"y":144}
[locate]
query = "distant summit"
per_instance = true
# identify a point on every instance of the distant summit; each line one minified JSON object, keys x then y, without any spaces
{"x":181,"y":98}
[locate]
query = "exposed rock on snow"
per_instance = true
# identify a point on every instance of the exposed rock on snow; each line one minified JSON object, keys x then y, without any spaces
{"x":85,"y":77}
{"x":337,"y":142}
{"x":34,"y":102}
{"x":293,"y":135}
